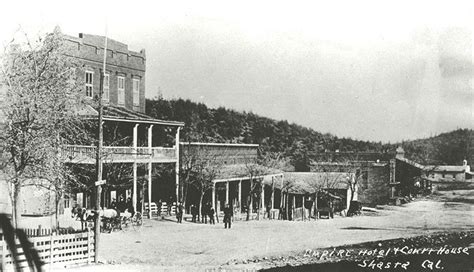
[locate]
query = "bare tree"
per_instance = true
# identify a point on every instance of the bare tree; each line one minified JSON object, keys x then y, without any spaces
{"x":199,"y":167}
{"x":353,"y":173}
{"x":189,"y":159}
{"x":288,"y":184}
{"x":256,"y":168}
{"x":325,"y":182}
{"x":41,"y":95}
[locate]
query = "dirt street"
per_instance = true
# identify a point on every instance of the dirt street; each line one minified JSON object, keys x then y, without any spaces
{"x":166,"y":245}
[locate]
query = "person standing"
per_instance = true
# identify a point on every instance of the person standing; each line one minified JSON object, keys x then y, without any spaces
{"x":121,"y":205}
{"x":179,"y":212}
{"x":204,"y":213}
{"x":113,"y":204}
{"x":193,"y":213}
{"x":211,"y":216}
{"x":130,"y":206}
{"x":228,"y":213}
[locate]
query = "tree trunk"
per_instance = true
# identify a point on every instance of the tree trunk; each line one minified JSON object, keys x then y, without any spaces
{"x":251,"y":195}
{"x":315,"y":205}
{"x":58,"y":199}
{"x":350,"y":208}
{"x":185,"y":194}
{"x":249,"y":202}
{"x":16,"y":213}
{"x":258,"y":204}
{"x":200,"y":206}
{"x":287,"y":207}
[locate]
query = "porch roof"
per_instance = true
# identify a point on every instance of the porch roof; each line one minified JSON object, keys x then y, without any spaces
{"x":234,"y":172}
{"x":121,"y":114}
{"x":446,"y":168}
{"x":309,"y":182}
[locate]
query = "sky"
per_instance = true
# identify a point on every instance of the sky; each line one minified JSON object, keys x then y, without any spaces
{"x":370,"y":70}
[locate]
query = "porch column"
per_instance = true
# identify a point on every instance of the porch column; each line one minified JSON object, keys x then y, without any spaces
{"x":263,"y":199}
{"x":273,"y":194}
{"x":316,"y":195}
{"x":251,"y":197}
{"x":282,"y":199}
{"x":293,"y":207}
{"x":150,"y":151}
{"x":303,"y":208}
{"x":177,"y":164}
{"x":227,"y":192}
{"x":214,"y":196}
{"x":240,"y":195}
{"x":135,"y":143}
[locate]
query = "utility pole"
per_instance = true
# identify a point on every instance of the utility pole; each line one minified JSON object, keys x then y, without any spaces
{"x":99,"y":157}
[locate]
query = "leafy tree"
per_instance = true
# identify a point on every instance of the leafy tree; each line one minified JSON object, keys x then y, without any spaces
{"x":299,"y":156}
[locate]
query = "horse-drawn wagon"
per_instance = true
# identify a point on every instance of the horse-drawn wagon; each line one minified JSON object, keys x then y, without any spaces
{"x":110,"y":219}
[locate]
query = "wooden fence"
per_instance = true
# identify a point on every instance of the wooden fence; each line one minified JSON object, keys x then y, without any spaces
{"x":57,"y":250}
{"x":47,"y":232}
{"x":298,"y":214}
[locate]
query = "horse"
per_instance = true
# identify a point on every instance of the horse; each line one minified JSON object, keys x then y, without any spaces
{"x":107,"y":215}
{"x":83,"y":215}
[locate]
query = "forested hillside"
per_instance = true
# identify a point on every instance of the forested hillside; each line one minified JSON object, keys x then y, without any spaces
{"x":299,"y":143}
{"x":446,"y":148}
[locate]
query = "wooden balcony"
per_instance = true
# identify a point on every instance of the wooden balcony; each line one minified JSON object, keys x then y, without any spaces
{"x":120,"y":154}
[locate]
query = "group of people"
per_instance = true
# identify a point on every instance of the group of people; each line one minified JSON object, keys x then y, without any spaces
{"x":207,"y":211}
{"x":122,"y":206}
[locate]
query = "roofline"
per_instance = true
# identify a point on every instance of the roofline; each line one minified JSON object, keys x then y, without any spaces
{"x":148,"y":121}
{"x":412,"y":163}
{"x":447,"y":171}
{"x":245,"y":177}
{"x":219,"y":144}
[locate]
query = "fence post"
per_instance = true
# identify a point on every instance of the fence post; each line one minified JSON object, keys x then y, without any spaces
{"x":4,"y":253}
{"x":88,"y":245}
{"x":51,"y":250}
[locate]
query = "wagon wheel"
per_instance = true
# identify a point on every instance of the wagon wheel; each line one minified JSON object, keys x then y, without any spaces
{"x":107,"y":226}
{"x":124,"y":223}
{"x":137,"y":221}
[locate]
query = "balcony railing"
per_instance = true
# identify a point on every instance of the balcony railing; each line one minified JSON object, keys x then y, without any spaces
{"x":118,"y":154}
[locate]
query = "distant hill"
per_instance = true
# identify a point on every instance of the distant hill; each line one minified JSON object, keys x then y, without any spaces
{"x":447,"y":148}
{"x":299,"y":143}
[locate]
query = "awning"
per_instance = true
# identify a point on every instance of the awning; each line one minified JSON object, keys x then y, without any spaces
{"x":121,"y":114}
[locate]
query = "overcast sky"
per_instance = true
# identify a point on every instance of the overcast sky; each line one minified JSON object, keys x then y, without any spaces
{"x":360,"y":69}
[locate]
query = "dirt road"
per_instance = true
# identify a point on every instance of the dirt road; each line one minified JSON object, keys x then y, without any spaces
{"x":189,"y":246}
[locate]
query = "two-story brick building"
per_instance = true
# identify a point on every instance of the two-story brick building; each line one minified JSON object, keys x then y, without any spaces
{"x":144,"y":141}
{"x":124,"y":81}
{"x":123,"y":85}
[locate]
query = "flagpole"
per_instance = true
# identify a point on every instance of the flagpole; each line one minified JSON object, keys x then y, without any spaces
{"x":99,"y":154}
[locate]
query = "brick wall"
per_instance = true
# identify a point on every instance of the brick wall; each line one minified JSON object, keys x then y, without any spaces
{"x":373,"y":185}
{"x":89,"y":51}
{"x":227,"y":154}
{"x":377,"y":190}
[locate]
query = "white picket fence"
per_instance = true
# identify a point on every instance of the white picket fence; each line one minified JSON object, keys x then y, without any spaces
{"x":56,"y":250}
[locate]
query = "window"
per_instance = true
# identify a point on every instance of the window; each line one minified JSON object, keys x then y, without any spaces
{"x":89,"y":84}
{"x":136,"y":92}
{"x":105,"y":95}
{"x":121,"y":90}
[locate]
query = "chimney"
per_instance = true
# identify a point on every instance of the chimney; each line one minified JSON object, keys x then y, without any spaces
{"x":400,"y":153}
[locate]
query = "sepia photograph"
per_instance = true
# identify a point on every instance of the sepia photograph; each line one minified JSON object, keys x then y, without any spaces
{"x":237,"y":136}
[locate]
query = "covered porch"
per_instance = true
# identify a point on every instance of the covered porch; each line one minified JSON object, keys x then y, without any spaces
{"x":133,"y":142}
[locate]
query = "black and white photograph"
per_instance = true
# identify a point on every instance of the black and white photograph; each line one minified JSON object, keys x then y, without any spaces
{"x":237,"y":135}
